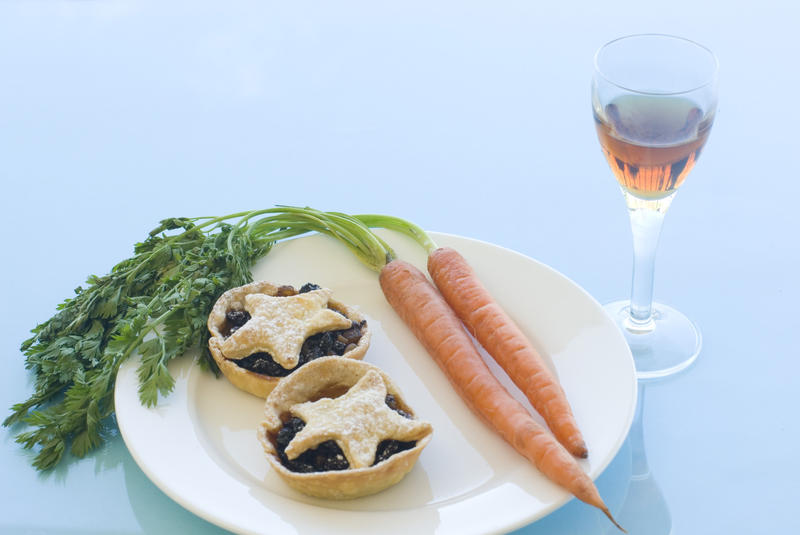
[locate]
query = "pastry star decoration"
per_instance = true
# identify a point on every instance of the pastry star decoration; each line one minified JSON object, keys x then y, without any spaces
{"x":280,"y":325}
{"x":358,"y":421}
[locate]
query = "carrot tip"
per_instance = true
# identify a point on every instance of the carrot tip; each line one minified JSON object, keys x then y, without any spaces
{"x":608,"y":514}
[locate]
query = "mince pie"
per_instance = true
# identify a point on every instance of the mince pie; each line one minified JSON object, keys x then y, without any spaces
{"x":261,"y":332}
{"x":339,"y":428}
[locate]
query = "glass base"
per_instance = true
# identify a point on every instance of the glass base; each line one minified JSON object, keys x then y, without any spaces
{"x":663,"y":346}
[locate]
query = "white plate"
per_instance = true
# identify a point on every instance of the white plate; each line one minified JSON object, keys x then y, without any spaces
{"x":199,"y":444}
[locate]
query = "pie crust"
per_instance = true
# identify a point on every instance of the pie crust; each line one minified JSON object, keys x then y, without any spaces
{"x":325,"y":382}
{"x":248,"y":343}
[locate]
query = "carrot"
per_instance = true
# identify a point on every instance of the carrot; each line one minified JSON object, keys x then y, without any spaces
{"x":440,"y":331}
{"x":506,"y":343}
{"x":495,"y":331}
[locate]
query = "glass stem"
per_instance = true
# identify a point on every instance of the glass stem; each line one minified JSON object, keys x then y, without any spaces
{"x":647,"y":217}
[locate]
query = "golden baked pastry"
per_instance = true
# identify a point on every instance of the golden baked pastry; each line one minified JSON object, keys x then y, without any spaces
{"x":340,"y":428}
{"x":261,"y":332}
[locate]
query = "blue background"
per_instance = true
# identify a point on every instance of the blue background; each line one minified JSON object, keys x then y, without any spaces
{"x":465,"y":117}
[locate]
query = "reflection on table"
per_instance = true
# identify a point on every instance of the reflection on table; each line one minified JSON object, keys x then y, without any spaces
{"x":644,"y":510}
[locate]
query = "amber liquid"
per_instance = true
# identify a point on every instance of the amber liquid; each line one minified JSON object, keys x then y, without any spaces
{"x":651,"y":143}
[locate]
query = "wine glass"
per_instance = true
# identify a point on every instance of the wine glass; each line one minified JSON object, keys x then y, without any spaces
{"x":654,"y":98}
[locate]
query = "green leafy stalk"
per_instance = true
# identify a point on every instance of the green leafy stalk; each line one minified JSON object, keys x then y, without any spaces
{"x":398,"y":225}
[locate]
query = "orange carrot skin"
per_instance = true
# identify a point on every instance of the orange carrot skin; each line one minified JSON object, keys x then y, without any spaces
{"x":439,"y":330}
{"x":506,"y":343}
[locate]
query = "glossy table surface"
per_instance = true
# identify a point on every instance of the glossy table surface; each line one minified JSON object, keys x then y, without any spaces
{"x":466,"y":118}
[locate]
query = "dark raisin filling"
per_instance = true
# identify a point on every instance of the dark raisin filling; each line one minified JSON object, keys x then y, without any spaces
{"x":309,"y":286}
{"x":328,"y":455}
{"x":234,"y":320}
{"x":315,"y":346}
{"x":387,"y":448}
{"x":325,"y":457}
{"x":391,"y":402}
